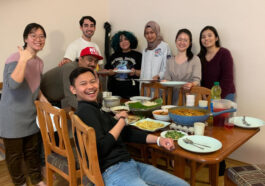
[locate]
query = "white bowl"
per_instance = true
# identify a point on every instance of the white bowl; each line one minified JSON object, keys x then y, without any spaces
{"x":111,"y":101}
{"x":160,"y":116}
{"x":166,"y":107}
{"x":117,"y":109}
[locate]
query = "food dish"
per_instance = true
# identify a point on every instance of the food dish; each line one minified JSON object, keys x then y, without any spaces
{"x":122,"y":71}
{"x":173,"y":83}
{"x":150,"y":125}
{"x":204,"y":140}
{"x":119,"y":109}
{"x":166,"y":107}
{"x":187,"y":112}
{"x":254,"y":122}
{"x":132,"y":119}
{"x":54,"y":127}
{"x":161,"y":115}
{"x":175,"y":135}
{"x":128,"y":102}
{"x":140,"y":98}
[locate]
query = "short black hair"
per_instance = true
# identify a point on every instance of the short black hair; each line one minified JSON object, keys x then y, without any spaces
{"x":87,"y":17}
{"x":115,"y":41}
{"x":78,"y":71}
{"x":31,"y":28}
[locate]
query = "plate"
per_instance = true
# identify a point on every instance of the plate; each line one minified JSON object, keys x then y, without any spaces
{"x":102,"y":72}
{"x":173,"y":83}
{"x":163,"y":134}
{"x":254,"y":122}
{"x":163,"y":124}
{"x":140,"y":98}
{"x":128,"y":102}
{"x":145,"y":80}
{"x":133,"y":119}
{"x":117,"y":109}
{"x":205,"y":140}
{"x":122,"y":71}
{"x":55,"y":129}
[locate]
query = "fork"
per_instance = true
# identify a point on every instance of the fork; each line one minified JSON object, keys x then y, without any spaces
{"x":244,"y":121}
{"x":191,"y":143}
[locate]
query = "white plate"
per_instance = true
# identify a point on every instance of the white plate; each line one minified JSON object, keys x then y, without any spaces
{"x":145,"y":80}
{"x":148,"y":119}
{"x":117,"y":108}
{"x":122,"y":71}
{"x":205,"y":140}
{"x":140,"y":98}
{"x":254,"y":122}
{"x":54,"y":127}
{"x":173,"y":83}
{"x":163,"y":134}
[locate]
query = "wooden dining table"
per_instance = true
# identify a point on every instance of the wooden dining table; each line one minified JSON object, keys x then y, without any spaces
{"x":231,"y":140}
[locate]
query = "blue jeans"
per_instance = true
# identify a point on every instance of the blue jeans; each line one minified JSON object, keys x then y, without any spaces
{"x":134,"y":173}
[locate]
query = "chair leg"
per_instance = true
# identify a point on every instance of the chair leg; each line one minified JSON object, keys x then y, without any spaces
{"x":49,"y":173}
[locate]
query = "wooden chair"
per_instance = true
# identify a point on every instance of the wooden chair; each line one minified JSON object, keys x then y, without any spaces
{"x":59,"y":155}
{"x":146,"y":89}
{"x":201,"y":93}
{"x":2,"y":147}
{"x":87,"y":152}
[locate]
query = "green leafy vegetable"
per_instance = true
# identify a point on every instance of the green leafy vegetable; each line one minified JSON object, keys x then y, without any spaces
{"x":174,"y":135}
{"x":139,"y":105}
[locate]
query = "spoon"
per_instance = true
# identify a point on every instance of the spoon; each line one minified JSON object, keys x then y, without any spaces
{"x":244,"y":121}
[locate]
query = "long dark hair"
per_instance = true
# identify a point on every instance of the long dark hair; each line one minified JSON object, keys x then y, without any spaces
{"x":203,"y":50}
{"x":189,"y":53}
{"x":115,"y":41}
{"x":31,"y":28}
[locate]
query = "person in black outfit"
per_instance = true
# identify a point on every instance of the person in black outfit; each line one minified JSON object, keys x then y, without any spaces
{"x":124,"y":58}
{"x":115,"y":162}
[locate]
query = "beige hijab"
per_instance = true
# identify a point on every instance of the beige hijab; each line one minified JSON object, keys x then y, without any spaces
{"x":156,"y":28}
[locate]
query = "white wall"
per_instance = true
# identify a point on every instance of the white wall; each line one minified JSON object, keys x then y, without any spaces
{"x":239,"y":23}
{"x":241,"y":28}
{"x":59,"y":18}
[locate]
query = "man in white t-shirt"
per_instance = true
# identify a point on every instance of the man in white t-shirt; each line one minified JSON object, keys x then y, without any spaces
{"x":88,"y":27}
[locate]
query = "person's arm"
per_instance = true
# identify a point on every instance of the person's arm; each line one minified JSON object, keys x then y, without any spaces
{"x":196,"y":74}
{"x":167,"y":73}
{"x":18,"y":74}
{"x":227,"y":73}
{"x":116,"y":130}
{"x":167,"y":143}
{"x":64,"y":61}
{"x":42,"y":98}
{"x":166,"y":55}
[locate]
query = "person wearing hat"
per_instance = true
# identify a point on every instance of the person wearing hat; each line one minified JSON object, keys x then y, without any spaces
{"x":55,"y":83}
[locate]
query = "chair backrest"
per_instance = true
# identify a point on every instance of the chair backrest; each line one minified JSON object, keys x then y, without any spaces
{"x":86,"y":150}
{"x":50,"y":120}
{"x":201,"y":93}
{"x":1,"y":85}
{"x":146,"y":89}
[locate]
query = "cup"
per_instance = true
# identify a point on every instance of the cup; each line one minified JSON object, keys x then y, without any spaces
{"x":199,"y":128}
{"x":106,"y":94}
{"x":203,"y":104}
{"x":190,"y":100}
{"x":228,"y":124}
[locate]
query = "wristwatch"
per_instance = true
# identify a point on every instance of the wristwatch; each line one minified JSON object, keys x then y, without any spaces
{"x":122,"y":117}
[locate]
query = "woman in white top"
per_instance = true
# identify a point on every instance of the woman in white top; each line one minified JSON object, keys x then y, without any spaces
{"x":155,"y":55}
{"x":184,"y":66}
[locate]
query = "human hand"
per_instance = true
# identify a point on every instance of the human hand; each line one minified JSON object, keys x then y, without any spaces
{"x":167,"y":143}
{"x":121,"y":114}
{"x":187,"y":86}
{"x":24,"y":54}
{"x":104,"y":72}
{"x":133,"y":73}
{"x":64,"y":61}
{"x":156,"y":77}
{"x":164,"y":80}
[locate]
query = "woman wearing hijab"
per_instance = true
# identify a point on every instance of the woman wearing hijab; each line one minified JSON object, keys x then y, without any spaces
{"x":155,"y":55}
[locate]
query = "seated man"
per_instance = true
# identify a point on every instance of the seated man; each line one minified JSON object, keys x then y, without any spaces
{"x":55,"y":83}
{"x":117,"y":167}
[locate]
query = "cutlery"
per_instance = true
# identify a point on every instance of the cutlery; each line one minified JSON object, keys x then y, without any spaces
{"x":191,"y":143}
{"x":244,"y":121}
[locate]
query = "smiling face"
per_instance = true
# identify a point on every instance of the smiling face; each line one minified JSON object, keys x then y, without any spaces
{"x":183,"y":42}
{"x":88,"y":28}
{"x":35,"y":40}
{"x":88,"y":62}
{"x":86,"y":87}
{"x":150,"y":35}
{"x":208,"y":39}
{"x":125,"y":44}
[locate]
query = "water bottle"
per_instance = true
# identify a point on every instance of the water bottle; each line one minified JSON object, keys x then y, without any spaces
{"x":216,"y":91}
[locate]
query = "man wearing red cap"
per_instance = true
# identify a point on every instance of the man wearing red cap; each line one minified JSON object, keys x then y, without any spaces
{"x":55,"y":83}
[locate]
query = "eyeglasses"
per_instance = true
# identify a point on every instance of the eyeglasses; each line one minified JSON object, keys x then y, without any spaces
{"x":34,"y":37}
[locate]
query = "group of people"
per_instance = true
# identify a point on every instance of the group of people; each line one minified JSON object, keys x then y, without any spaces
{"x":74,"y":85}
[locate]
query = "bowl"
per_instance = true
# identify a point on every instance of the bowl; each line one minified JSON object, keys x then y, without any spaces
{"x":112,"y":101}
{"x":161,"y":115}
{"x":166,"y":107}
{"x":147,"y":112}
{"x":117,"y":109}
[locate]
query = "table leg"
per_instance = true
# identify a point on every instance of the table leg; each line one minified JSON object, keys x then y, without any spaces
{"x":193,"y":173}
{"x":179,"y":166}
{"x":213,"y":174}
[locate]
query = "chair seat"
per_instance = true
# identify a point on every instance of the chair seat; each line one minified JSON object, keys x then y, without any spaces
{"x":252,"y":175}
{"x":61,"y":162}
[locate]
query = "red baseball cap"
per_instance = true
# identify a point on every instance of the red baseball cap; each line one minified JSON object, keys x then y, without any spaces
{"x":90,"y":51}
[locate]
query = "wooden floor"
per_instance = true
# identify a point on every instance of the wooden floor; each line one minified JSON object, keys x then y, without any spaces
{"x":202,"y":176}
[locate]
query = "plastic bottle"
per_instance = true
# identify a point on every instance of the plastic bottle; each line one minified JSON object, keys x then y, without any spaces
{"x":216,"y":91}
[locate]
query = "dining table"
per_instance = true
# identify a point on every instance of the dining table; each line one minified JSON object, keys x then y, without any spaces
{"x":231,"y":140}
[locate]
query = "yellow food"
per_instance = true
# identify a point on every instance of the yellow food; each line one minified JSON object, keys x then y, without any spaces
{"x":187,"y":112}
{"x":149,"y":125}
{"x":132,"y":118}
